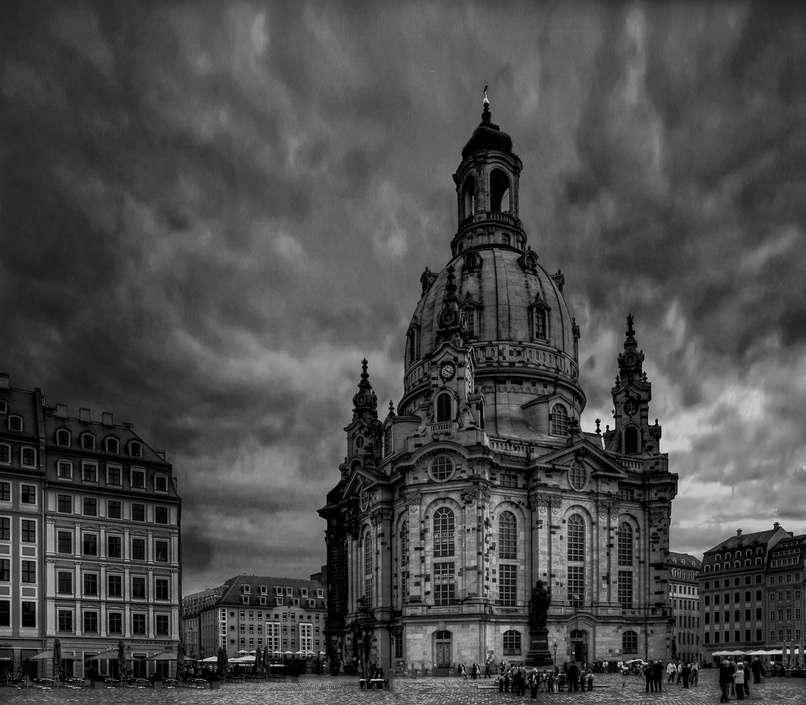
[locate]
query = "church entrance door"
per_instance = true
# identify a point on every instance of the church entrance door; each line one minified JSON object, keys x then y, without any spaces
{"x":442,"y":649}
{"x":579,"y":644}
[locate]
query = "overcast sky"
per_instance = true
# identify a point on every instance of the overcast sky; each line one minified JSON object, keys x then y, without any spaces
{"x":212,"y":211}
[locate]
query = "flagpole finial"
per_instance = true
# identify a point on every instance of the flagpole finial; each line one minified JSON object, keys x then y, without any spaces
{"x":486,"y":100}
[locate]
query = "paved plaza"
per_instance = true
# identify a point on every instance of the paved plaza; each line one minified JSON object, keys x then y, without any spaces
{"x":325,"y":690}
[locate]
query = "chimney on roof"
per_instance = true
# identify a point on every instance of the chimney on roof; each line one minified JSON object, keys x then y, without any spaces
{"x":738,"y":532}
{"x":4,"y":380}
{"x":106,"y":418}
{"x":128,"y":425}
{"x":776,"y":526}
{"x":61,"y":411}
{"x":84,"y":414}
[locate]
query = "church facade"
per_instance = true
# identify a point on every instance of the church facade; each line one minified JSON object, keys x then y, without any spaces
{"x":481,"y":483}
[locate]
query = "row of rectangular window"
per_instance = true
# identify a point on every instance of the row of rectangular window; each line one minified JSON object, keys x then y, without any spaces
{"x":27,"y":530}
{"x":27,"y":455}
{"x":114,"y":623}
{"x":114,"y":546}
{"x":725,"y":616}
{"x":65,"y":504}
{"x":114,"y":585}
{"x":27,"y":493}
{"x":737,"y":596}
{"x":785,"y":635}
{"x":114,"y":475}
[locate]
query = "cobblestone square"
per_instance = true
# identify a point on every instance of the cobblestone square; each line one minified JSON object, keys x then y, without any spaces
{"x":325,"y":690}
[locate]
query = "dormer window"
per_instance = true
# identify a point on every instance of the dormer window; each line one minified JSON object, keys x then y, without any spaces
{"x":15,"y":423}
{"x":303,"y":592}
{"x":539,"y":319}
{"x":3,"y":407}
{"x":558,"y":419}
{"x":112,"y":445}
{"x":246,"y":587}
{"x":289,"y":592}
{"x":320,"y":593}
{"x":63,"y":437}
{"x":87,"y":441}
{"x":136,"y":449}
{"x":278,"y":590}
{"x":278,"y":601}
{"x":472,"y":262}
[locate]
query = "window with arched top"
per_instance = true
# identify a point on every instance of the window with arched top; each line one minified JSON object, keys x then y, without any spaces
{"x":412,"y":346}
{"x":632,"y":440}
{"x":575,"y":581}
{"x":629,"y":642}
{"x":468,"y":197}
{"x":576,"y":538}
{"x":444,"y":407}
{"x":499,"y":191}
{"x":559,"y":420}
{"x":443,"y":532}
{"x":540,"y":322}
{"x":62,"y":437}
{"x":135,"y":449}
{"x":507,"y":536}
{"x":625,"y":544}
{"x":87,"y":441}
{"x":112,"y":445}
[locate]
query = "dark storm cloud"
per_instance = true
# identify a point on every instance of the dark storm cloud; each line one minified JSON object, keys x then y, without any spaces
{"x":212,"y":211}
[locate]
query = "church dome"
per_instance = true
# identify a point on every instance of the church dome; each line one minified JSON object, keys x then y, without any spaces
{"x":507,"y":298}
{"x":487,"y":136}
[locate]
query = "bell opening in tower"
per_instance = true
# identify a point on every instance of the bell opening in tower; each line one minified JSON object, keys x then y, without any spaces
{"x":499,"y":191}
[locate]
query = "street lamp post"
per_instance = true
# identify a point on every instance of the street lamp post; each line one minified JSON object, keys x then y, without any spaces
{"x":555,"y":653}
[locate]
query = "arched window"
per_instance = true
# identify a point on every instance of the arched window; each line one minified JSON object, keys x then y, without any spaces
{"x":62,"y":437}
{"x":443,"y":532}
{"x":368,"y":556}
{"x":468,"y":197}
{"x":625,"y":544}
{"x":444,"y":403}
{"x":631,"y":440}
{"x":512,"y":642}
{"x":135,"y":449}
{"x":15,"y":423}
{"x":575,"y":582}
{"x":112,"y":445}
{"x":559,"y":420}
{"x":507,"y":536}
{"x":629,"y":642}
{"x":28,"y":457}
{"x":576,"y":538}
{"x":499,"y":191}
{"x":412,"y":346}
{"x":88,"y":441}
{"x":441,"y":468}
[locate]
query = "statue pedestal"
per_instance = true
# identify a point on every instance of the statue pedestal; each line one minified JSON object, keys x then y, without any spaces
{"x":538,"y":654}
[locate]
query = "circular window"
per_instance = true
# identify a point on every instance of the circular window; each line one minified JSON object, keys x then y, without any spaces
{"x":577,"y":476}
{"x":442,"y":468}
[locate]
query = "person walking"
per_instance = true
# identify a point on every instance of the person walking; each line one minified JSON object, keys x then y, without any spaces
{"x":671,"y":672}
{"x":649,"y":677}
{"x":695,"y":673}
{"x":756,"y":668}
{"x":658,"y":672}
{"x":685,"y":673}
{"x":738,"y":681}
{"x":746,"y":668}
{"x":573,"y":677}
{"x":725,"y":680}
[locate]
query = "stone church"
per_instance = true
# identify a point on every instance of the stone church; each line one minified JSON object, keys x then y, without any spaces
{"x":481,"y":483}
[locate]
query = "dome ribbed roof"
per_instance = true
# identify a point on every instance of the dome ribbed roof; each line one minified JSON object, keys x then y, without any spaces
{"x":503,"y":292}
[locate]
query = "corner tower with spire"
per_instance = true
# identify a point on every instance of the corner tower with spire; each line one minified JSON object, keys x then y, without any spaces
{"x":455,"y":513}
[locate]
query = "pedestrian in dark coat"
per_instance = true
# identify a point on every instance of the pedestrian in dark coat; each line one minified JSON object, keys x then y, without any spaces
{"x":658,"y":673}
{"x":573,"y":677}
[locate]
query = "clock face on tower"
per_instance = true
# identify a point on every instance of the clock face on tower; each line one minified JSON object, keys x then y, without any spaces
{"x":446,"y":371}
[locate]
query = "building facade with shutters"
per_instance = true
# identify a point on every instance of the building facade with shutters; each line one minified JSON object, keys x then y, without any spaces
{"x":92,"y":551}
{"x":481,"y":482}
{"x":734,"y":592}
{"x":251,"y":612}
{"x":684,"y":603}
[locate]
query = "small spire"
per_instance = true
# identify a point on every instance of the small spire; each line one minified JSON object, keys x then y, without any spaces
{"x":391,"y":408}
{"x":450,"y":286}
{"x":630,"y":329}
{"x":485,"y":115}
{"x":364,"y":383}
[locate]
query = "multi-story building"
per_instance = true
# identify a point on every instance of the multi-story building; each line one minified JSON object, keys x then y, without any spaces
{"x":732,"y":592}
{"x":448,"y":512}
{"x":786,"y":576}
{"x":684,"y":603}
{"x":106,"y":536}
{"x":248,"y":612}
{"x":22,"y":525}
